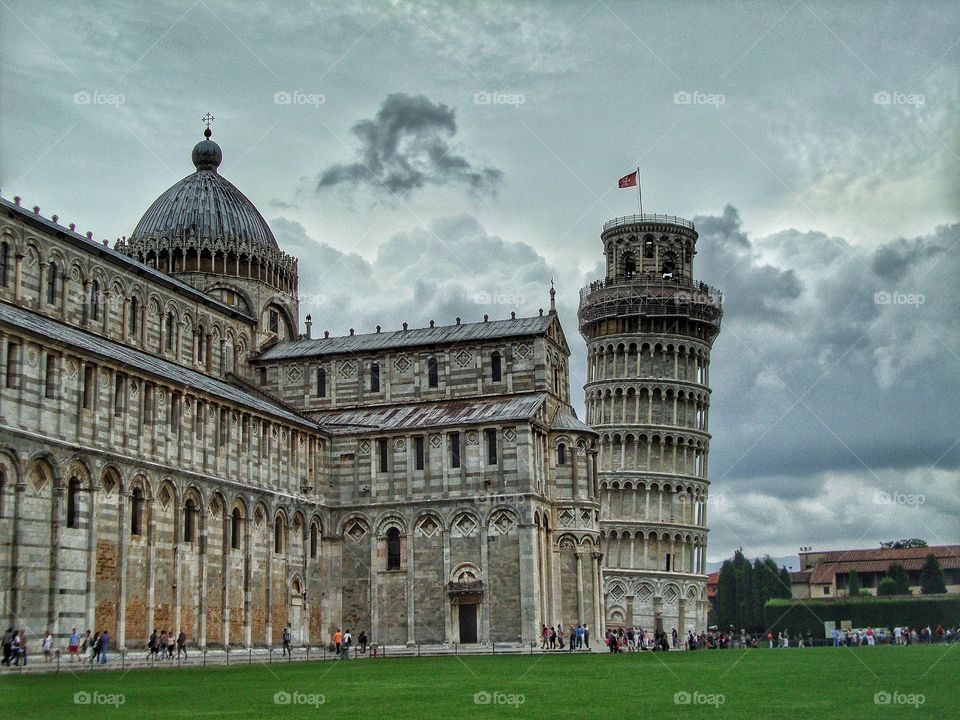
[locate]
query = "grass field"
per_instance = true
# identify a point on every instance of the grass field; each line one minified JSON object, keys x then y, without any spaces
{"x":917,"y":681}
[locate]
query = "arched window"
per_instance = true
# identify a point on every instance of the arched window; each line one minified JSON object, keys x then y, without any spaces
{"x":433,"y":372}
{"x":629,"y":265}
{"x":561,"y":454}
{"x":201,"y":343}
{"x":95,"y":300}
{"x":171,"y":330}
{"x":375,"y":377}
{"x":136,"y":512}
{"x":189,"y":520}
{"x":236,"y":528}
{"x":393,"y":549}
{"x":52,"y":277}
{"x":4,"y":264}
{"x":278,"y":535}
{"x":321,"y":382}
{"x":313,"y":541}
{"x":496,"y":371}
{"x":73,"y":503}
{"x":134,"y":314}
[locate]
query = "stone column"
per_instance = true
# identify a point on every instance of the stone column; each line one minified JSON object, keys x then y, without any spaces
{"x":18,"y":278}
{"x":247,"y":593}
{"x":226,"y":548}
{"x":270,"y":552}
{"x":123,"y":532}
{"x":579,"y":556}
{"x":148,"y":505}
{"x":56,"y":512}
{"x":411,"y":625}
{"x":202,"y":598}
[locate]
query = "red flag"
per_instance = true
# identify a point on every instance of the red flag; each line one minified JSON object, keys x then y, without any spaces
{"x":628,"y":180}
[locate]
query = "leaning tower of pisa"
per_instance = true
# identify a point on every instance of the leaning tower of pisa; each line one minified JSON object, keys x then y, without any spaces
{"x":649,"y":327}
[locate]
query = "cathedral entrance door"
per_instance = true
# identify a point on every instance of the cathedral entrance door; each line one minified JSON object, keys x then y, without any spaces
{"x":468,"y":623}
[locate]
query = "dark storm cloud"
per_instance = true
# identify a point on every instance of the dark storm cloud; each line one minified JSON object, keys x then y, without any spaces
{"x":894,"y":260}
{"x":407,"y":146}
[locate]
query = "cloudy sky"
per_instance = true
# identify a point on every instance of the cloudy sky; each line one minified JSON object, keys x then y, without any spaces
{"x":432,"y":160}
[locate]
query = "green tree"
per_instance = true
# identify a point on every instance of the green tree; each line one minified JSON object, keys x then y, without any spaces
{"x":898,"y":573}
{"x":932,"y":581}
{"x":727,"y":595}
{"x":887,"y":586}
{"x":853,"y":584}
{"x":905,"y":543}
{"x":784,"y":586}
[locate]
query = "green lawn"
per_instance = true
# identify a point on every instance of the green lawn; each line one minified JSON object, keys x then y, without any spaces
{"x":814,"y":684}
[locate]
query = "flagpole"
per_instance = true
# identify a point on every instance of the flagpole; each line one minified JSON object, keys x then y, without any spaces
{"x":639,"y":191}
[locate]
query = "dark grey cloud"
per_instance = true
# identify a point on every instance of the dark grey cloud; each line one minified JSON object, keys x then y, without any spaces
{"x":407,"y":146}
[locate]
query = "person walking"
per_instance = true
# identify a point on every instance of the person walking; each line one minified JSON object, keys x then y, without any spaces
{"x":560,"y":636}
{"x":345,"y":645}
{"x":362,"y":642}
{"x":182,"y":645}
{"x":104,"y":644}
{"x":586,"y":636}
{"x":286,"y":640}
{"x":164,"y":642}
{"x":47,"y":646}
{"x":74,"y":644}
{"x":579,"y":636}
{"x":545,"y":637}
{"x":573,"y":638}
{"x":85,"y":646}
{"x":337,"y":640}
{"x":7,"y":647}
{"x":95,"y":649}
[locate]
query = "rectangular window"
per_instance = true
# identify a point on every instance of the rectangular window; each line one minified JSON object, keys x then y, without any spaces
{"x":491,"y":446}
{"x":118,"y":384}
{"x":382,"y":454}
{"x":274,"y":321}
{"x":175,"y":412}
{"x":148,"y":404}
{"x":264,"y":439}
{"x":418,"y":451}
{"x":13,"y":370}
{"x":200,"y":419}
{"x":89,"y":386}
{"x":224,"y":426}
{"x":666,"y":561}
{"x":454,"y":449}
{"x":50,"y":381}
{"x":375,"y":378}
{"x":263,"y":376}
{"x":321,"y":382}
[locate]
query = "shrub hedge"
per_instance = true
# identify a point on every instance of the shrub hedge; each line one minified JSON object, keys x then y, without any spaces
{"x":806,"y":616}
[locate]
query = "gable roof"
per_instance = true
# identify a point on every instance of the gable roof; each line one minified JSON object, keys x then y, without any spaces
{"x":414,"y":337}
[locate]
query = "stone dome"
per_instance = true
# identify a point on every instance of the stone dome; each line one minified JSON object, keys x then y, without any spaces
{"x":205,"y":207}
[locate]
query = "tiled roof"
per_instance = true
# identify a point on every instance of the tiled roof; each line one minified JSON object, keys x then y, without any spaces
{"x":47,"y":329}
{"x":118,"y":258}
{"x":888,"y":554}
{"x":432,"y":414}
{"x":416,"y":337}
{"x":824,"y":573}
{"x":567,"y":419}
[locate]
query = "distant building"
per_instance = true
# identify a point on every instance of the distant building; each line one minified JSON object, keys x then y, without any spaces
{"x":826,"y":574}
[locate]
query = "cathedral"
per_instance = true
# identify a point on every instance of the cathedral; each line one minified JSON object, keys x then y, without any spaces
{"x":175,"y":453}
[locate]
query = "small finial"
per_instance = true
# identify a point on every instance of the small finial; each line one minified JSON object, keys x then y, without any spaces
{"x":89,"y":234}
{"x":36,"y":209}
{"x":351,"y":332}
{"x":486,"y":318}
{"x":404,"y":327}
{"x":106,"y":243}
{"x":55,"y":218}
{"x":72,"y":226}
{"x":378,"y":329}
{"x":16,"y":199}
{"x":431,"y":323}
{"x":553,"y":299}
{"x":326,"y":334}
{"x":541,"y":312}
{"x":309,"y":325}
{"x":458,"y":321}
{"x":208,"y":118}
{"x":513,"y":316}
